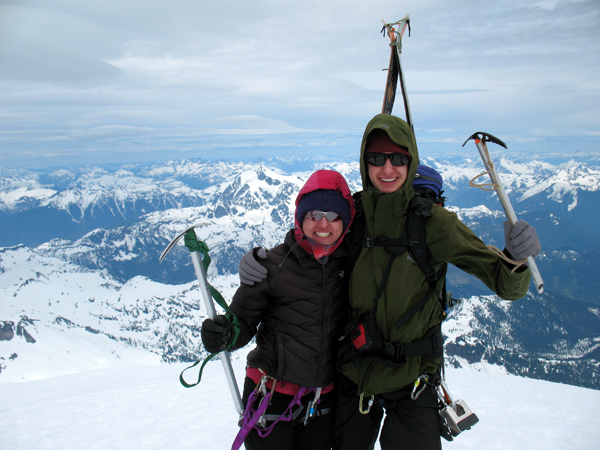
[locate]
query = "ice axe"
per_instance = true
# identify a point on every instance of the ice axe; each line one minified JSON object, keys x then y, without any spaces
{"x":480,"y":139}
{"x":207,"y":296}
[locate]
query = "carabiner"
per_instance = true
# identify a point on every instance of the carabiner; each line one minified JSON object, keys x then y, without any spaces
{"x":416,"y":392}
{"x":443,"y":394}
{"x":260,"y":386}
{"x":369,"y":404}
{"x":311,"y":407}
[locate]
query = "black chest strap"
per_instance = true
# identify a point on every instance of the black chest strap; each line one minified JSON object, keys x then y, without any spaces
{"x":412,"y":238}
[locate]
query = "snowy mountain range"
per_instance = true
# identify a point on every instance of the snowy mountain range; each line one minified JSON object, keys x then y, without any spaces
{"x":80,"y":281}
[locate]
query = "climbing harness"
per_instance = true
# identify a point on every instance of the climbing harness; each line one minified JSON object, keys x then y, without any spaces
{"x":255,"y":417}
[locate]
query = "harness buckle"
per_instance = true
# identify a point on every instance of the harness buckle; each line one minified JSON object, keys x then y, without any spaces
{"x":368,"y":242}
{"x":399,"y":352}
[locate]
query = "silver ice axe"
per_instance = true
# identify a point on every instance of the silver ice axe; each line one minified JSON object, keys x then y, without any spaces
{"x":207,"y":296}
{"x":480,"y":139}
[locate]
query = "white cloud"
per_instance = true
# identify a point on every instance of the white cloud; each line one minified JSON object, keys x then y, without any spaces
{"x":160,"y":74}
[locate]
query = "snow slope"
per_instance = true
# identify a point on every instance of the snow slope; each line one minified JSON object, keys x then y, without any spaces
{"x":135,"y":407}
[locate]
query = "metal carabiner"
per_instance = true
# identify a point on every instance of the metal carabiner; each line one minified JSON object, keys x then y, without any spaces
{"x":416,"y":392}
{"x":266,"y":396}
{"x":369,"y":404}
{"x":444,"y":395}
{"x":310,"y":409}
{"x":260,"y":386}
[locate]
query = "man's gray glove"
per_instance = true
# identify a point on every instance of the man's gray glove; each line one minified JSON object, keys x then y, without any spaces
{"x":521,"y":240}
{"x":252,"y":271}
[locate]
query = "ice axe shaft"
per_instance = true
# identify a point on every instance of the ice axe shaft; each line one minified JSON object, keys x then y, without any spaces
{"x":480,"y":139}
{"x":212,"y":313}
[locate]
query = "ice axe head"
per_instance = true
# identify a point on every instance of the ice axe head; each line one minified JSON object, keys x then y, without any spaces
{"x":190,"y":238}
{"x":485,"y":137}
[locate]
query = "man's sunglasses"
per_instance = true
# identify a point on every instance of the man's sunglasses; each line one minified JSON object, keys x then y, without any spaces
{"x":316,"y":216}
{"x":379,"y":159}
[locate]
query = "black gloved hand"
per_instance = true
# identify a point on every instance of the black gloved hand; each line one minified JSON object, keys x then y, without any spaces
{"x":250,"y":270}
{"x":216,"y":334}
{"x":521,"y":240}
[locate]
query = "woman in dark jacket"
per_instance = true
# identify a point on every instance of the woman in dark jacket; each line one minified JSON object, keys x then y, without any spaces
{"x":297,"y":315}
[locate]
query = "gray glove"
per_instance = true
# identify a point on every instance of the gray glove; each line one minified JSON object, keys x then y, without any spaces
{"x":521,"y":240}
{"x":252,"y":271}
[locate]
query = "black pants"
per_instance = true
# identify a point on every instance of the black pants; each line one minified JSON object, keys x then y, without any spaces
{"x":317,"y":434}
{"x":408,"y":425}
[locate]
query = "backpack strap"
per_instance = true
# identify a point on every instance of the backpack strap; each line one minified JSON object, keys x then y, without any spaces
{"x":357,"y":231}
{"x":432,"y":345}
{"x":419,"y":212}
{"x":415,"y":309}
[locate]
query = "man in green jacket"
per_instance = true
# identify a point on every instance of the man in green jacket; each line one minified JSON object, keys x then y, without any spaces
{"x":390,"y":296}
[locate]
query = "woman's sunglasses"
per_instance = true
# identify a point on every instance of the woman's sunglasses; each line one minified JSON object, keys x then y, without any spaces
{"x":318,"y":215}
{"x":379,"y":159}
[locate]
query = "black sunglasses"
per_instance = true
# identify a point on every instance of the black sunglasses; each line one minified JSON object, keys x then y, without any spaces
{"x":379,"y":159}
{"x":318,"y":215}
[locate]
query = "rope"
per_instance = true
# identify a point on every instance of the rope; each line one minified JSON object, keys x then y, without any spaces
{"x":491,"y":187}
{"x":501,"y":254}
{"x":483,"y":186}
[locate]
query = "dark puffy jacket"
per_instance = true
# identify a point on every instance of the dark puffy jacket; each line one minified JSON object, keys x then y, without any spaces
{"x":299,"y":311}
{"x":301,"y":308}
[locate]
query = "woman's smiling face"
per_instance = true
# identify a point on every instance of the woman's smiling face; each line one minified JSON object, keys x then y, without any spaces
{"x":322,"y":231}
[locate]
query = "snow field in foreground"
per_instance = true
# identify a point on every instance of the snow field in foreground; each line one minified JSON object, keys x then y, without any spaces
{"x":145,"y":407}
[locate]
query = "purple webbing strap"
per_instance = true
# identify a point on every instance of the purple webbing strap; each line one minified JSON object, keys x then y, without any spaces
{"x":286,"y":416}
{"x":252,"y":416}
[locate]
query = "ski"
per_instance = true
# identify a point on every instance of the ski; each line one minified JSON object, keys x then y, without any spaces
{"x":391,"y":84}
{"x":480,"y":139}
{"x":395,"y":32}
{"x":224,"y":356}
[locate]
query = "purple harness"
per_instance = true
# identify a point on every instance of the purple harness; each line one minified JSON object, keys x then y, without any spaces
{"x":255,"y":417}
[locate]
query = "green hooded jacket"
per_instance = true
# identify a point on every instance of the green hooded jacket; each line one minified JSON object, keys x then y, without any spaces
{"x":449,"y":241}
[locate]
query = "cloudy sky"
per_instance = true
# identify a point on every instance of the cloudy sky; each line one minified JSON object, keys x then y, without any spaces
{"x":149,"y":80}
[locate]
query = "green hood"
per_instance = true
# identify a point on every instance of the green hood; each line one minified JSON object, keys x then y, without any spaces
{"x":399,"y":131}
